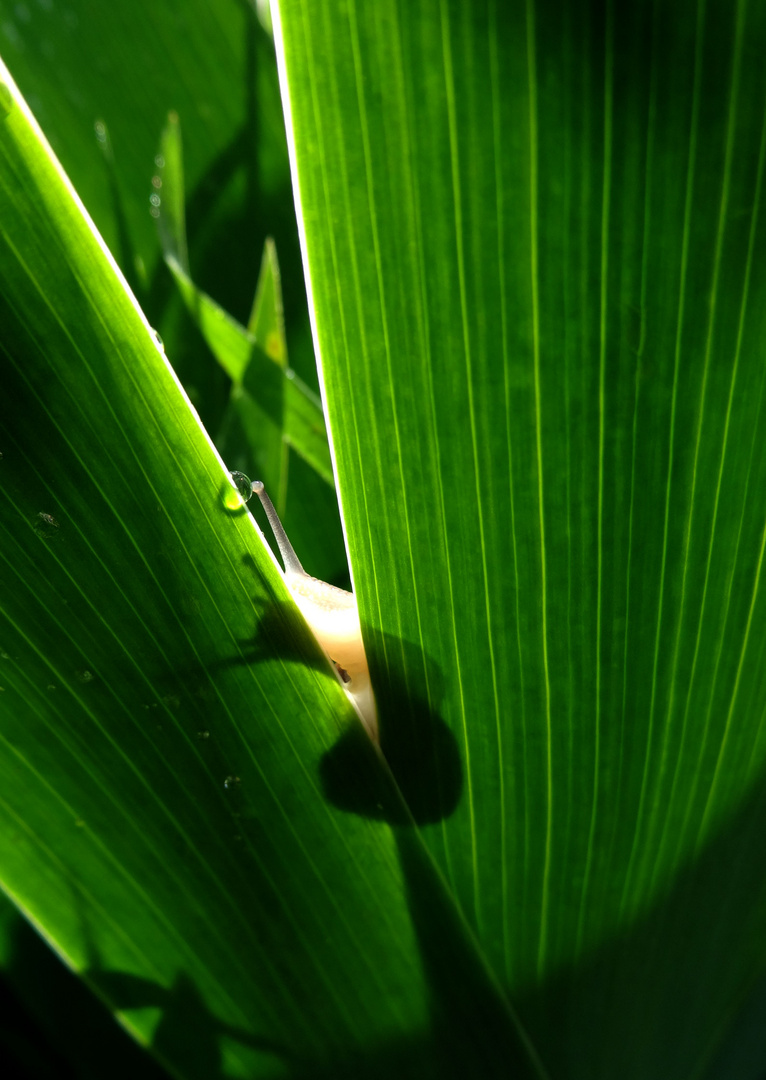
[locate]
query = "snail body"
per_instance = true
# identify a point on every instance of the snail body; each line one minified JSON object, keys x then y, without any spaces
{"x":333,"y":618}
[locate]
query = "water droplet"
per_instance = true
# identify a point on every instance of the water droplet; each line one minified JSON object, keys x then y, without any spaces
{"x":4,"y":655}
{"x":154,"y":199}
{"x":6,"y":100}
{"x":160,"y":342}
{"x":203,"y":734}
{"x":231,"y":782}
{"x":156,"y":182}
{"x":100,"y":128}
{"x":159,"y":161}
{"x":243,"y":485}
{"x":85,"y":676}
{"x":51,"y":686}
{"x":154,"y":211}
{"x":234,"y":500}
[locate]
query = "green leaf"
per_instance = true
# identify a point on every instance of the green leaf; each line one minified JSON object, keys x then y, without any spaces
{"x":90,"y":73}
{"x":229,"y":342}
{"x":128,"y":68}
{"x":276,"y":391}
{"x":46,"y":1009}
{"x":168,"y":206}
{"x":536,"y":247}
{"x":266,"y":322}
{"x":249,"y":431}
{"x":271,"y":407}
{"x":165,"y":716}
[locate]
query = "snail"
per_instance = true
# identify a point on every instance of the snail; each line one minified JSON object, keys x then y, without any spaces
{"x":333,"y":618}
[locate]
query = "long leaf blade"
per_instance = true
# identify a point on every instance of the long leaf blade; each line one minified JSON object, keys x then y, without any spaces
{"x":164,"y":713}
{"x":535,"y":245}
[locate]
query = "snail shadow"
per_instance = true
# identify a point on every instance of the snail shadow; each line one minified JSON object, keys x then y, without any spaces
{"x":414,"y":778}
{"x":420,"y":779}
{"x":47,"y":1008}
{"x":417,"y":779}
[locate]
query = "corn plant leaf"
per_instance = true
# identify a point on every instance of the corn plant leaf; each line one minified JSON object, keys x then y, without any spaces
{"x":276,"y":391}
{"x":536,"y":242}
{"x":165,"y":716}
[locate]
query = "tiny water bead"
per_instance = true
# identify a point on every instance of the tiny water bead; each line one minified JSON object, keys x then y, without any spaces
{"x":243,"y":485}
{"x":235,"y":500}
{"x":231,"y":782}
{"x":203,"y":734}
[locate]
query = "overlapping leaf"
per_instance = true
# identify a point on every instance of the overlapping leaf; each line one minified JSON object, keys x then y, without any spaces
{"x":536,"y":242}
{"x":164,"y":715}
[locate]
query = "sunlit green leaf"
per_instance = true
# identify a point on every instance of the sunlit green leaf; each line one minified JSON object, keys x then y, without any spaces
{"x":535,"y":239}
{"x":537,"y":251}
{"x":165,"y":716}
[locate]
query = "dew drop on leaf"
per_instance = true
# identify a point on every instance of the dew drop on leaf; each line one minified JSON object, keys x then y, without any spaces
{"x":234,"y":500}
{"x":244,"y":487}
